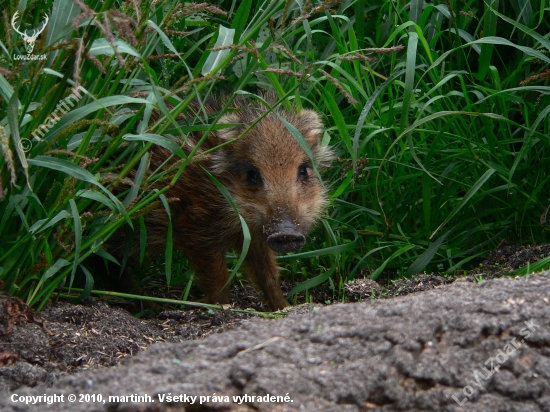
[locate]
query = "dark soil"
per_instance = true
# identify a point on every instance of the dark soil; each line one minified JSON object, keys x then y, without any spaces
{"x":42,"y":349}
{"x":65,"y":338}
{"x":509,"y":256}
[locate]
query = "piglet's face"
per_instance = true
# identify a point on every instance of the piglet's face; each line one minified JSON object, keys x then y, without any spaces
{"x":270,"y":176}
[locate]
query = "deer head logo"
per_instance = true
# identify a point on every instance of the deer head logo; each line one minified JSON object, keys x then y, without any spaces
{"x":29,"y":40}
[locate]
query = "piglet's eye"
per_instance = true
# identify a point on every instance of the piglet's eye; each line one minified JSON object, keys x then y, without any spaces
{"x":253,"y":177}
{"x":303,"y":173}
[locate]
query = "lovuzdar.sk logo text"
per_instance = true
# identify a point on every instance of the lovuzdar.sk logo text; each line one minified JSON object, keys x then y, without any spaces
{"x":29,"y":39}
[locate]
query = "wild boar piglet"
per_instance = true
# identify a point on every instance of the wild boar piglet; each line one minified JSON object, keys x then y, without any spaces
{"x":272,"y":183}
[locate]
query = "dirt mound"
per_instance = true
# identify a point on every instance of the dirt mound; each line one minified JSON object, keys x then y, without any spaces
{"x":485,"y":346}
{"x":65,"y":338}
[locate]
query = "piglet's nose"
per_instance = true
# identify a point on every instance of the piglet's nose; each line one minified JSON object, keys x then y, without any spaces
{"x":286,"y":238}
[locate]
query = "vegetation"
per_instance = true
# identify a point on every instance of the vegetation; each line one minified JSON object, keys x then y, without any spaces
{"x":438,"y":113}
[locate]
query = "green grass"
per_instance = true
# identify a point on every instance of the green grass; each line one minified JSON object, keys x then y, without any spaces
{"x":438,"y":113}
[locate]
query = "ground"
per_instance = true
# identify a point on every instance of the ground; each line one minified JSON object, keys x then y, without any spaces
{"x":417,"y":346}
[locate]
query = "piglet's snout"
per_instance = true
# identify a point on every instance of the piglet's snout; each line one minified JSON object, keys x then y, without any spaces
{"x":286,"y":238}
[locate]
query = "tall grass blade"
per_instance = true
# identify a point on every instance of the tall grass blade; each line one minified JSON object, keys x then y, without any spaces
{"x":473,"y":190}
{"x":425,"y":258}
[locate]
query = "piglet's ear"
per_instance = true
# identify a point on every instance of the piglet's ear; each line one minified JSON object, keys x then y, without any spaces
{"x":231,"y":132}
{"x":222,"y":159}
{"x":311,"y":126}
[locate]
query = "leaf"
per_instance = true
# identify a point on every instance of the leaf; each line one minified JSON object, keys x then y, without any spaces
{"x":102,"y":46}
{"x":77,"y":237}
{"x":395,"y":254}
{"x":88,"y":286}
{"x":61,"y":20}
{"x":489,"y":29}
{"x":163,"y":108}
{"x":77,"y":139}
{"x":368,"y":106}
{"x":6,"y":91}
{"x":158,"y":140}
{"x":246,"y":232}
{"x":543,"y":40}
{"x":425,"y":258}
{"x":169,"y":249}
{"x":132,"y":194}
{"x":343,"y":186}
{"x":60,"y":263}
{"x":473,"y":190}
{"x":338,"y":118}
{"x":332,"y":250}
{"x":416,"y":10}
{"x":142,"y":238}
{"x":417,"y":160}
{"x":410,"y":68}
{"x":13,"y":121}
{"x":52,"y":270}
{"x":76,"y":114}
{"x":97,"y":196}
{"x":370,"y":252}
{"x":527,"y":143}
{"x":37,"y":226}
{"x":64,"y":166}
{"x":78,"y":173}
{"x":493,"y":40}
{"x":241,"y":17}
{"x":468,"y":37}
{"x":225,"y":38}
{"x":443,"y":9}
{"x":106,"y":255}
{"x":537,"y":266}
{"x":311,"y":283}
{"x":164,"y":38}
{"x":301,"y":141}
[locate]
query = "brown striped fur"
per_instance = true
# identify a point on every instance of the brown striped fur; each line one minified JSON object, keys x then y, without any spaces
{"x":264,"y":173}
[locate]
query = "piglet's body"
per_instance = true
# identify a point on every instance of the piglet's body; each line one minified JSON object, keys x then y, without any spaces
{"x":273,"y":186}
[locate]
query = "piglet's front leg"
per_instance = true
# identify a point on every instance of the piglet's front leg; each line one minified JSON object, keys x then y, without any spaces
{"x":211,"y":274}
{"x":261,"y":267}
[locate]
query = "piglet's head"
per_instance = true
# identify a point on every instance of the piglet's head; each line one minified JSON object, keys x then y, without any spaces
{"x":269,"y":174}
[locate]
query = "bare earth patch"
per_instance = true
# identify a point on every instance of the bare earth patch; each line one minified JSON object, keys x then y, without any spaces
{"x":406,"y":353}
